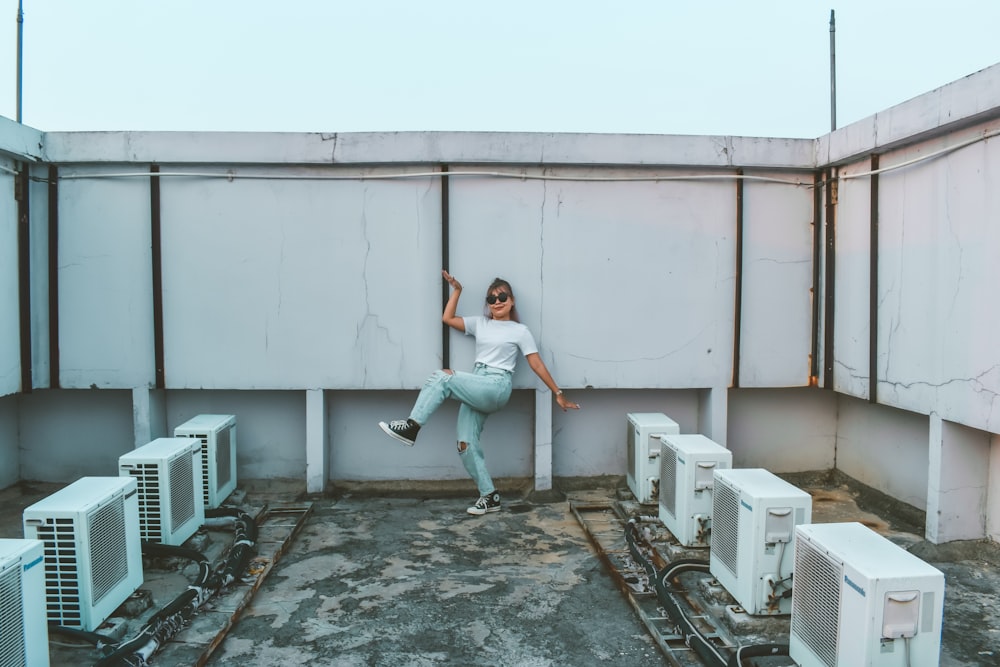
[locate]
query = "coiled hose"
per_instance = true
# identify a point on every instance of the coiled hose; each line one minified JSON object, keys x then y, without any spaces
{"x":693,"y":637}
{"x":168,"y":621}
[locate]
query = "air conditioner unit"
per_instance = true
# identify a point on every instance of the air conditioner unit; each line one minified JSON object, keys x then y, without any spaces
{"x":642,"y":437}
{"x":754,"y":514}
{"x":687,"y":467}
{"x":93,"y":558}
{"x":860,"y":600}
{"x":24,"y":633}
{"x":217,"y":434}
{"x":169,"y":478}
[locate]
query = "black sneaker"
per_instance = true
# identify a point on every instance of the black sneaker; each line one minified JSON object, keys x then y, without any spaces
{"x":487,"y":503}
{"x":404,"y":430}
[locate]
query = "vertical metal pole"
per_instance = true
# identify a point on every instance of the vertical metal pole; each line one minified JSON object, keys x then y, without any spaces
{"x":873,"y":288}
{"x":737,"y":338}
{"x":445,"y":254}
{"x":54,"y":371}
{"x":833,"y":71}
{"x":20,"y":41}
{"x":817,"y":244}
{"x":157,"y":268}
{"x":21,"y":183}
{"x":830,"y":288}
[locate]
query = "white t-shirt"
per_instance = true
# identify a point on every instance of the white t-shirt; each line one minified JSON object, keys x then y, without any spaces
{"x":497,"y":341}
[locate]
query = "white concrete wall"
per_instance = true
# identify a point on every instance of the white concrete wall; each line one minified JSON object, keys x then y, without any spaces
{"x":884,"y":448}
{"x":783,"y":430}
{"x":305,"y":277}
{"x":65,"y":435}
{"x":10,"y":455}
{"x":10,"y":351}
{"x":301,"y":292}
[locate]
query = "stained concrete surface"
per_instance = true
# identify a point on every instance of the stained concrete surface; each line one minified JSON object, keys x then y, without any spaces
{"x":376,"y":581}
{"x":416,"y":581}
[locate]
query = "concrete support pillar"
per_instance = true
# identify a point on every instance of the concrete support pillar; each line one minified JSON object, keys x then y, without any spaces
{"x":149,"y":415}
{"x":957,"y":481}
{"x":993,"y":492}
{"x":543,"y":440}
{"x":317,"y":458}
{"x":713,"y":413}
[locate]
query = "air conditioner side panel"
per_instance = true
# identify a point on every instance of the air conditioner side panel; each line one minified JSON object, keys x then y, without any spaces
{"x":36,"y":629}
{"x":22,"y":572}
{"x":643,"y":447}
{"x":863,"y":609}
{"x":98,"y":611}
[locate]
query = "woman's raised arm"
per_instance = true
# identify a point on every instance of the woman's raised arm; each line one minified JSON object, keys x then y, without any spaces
{"x":449,"y":317}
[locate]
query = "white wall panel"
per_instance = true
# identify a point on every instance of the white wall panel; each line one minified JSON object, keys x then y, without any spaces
{"x":10,"y":453}
{"x":884,"y":448}
{"x":768,"y":429}
{"x":616,"y":279}
{"x":10,"y":315}
{"x":270,"y":427}
{"x":852,"y":289}
{"x":301,"y":283}
{"x":776,"y":320}
{"x":66,"y":435}
{"x":105,"y":281}
{"x":938,"y":254}
{"x":497,"y":226}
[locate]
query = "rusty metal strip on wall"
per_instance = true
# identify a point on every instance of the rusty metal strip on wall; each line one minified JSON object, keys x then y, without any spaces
{"x":832,"y":183}
{"x":873,"y":287}
{"x":157,"y":268}
{"x":445,"y":263}
{"x":817,"y":242}
{"x":738,"y":323}
{"x":21,"y":181}
{"x":53,"y":185}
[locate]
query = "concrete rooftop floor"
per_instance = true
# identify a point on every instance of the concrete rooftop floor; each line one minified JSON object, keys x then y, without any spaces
{"x":416,"y":581}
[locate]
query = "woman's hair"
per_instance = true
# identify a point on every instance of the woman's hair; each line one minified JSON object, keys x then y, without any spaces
{"x":500,"y":283}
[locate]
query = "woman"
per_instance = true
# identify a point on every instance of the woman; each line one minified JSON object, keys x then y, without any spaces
{"x":499,"y":335}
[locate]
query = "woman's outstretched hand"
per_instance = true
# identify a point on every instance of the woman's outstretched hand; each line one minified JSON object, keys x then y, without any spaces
{"x":455,"y":285}
{"x":565,"y":403}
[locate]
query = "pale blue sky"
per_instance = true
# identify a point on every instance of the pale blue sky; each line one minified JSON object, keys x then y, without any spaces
{"x":646,"y":66}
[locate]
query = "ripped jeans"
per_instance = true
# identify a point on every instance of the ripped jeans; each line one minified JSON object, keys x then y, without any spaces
{"x":483,"y":391}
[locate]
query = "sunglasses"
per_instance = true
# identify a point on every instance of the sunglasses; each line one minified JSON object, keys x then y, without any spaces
{"x":501,"y":297}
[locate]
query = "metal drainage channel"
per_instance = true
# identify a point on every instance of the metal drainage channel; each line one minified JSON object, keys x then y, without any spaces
{"x":605,"y":526}
{"x":277,"y":526}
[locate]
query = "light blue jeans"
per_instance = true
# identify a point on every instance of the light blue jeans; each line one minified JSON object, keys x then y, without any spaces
{"x":481,"y":392}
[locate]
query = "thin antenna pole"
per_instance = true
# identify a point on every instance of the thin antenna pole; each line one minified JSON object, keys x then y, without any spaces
{"x":833,"y":71}
{"x":20,"y":40}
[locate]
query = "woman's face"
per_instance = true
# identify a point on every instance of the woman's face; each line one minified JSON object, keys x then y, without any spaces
{"x":502,"y":302}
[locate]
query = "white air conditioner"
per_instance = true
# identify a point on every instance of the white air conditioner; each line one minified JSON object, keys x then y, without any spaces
{"x":860,"y":600}
{"x":217,"y":434}
{"x":687,"y":466}
{"x":24,"y":633}
{"x":642,"y":438}
{"x":93,"y":557}
{"x":754,"y":514}
{"x":171,"y":497}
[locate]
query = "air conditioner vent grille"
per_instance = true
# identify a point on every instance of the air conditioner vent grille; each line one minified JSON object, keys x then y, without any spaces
{"x":62,"y":571}
{"x":630,"y":434}
{"x":817,"y":605}
{"x":668,"y":480}
{"x":182,"y":503}
{"x":726,"y":527}
{"x":224,"y":462}
{"x":206,"y":484}
{"x":11,"y":617}
{"x":150,"y":518}
{"x":108,"y":547}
